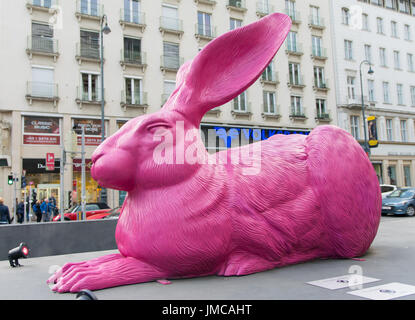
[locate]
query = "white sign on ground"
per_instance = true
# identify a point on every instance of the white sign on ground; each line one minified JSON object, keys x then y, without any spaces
{"x":349,"y":280}
{"x":385,"y":292}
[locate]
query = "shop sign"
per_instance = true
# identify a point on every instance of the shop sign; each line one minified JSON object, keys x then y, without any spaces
{"x":93,"y":131}
{"x":33,"y":166}
{"x":41,"y":130}
{"x":77,"y":165}
{"x":50,"y":161}
{"x":37,"y":139}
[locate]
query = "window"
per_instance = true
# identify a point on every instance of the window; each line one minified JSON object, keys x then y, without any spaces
{"x":379,"y":23}
{"x":319,"y":80}
{"x":351,"y":91}
{"x":410,"y":59}
{"x":169,"y":87}
{"x":407,"y":175}
{"x":296,"y":106}
{"x":354,"y":126}
{"x":394,"y":29}
{"x":386,"y":96}
{"x":345,"y":16}
{"x":133,"y":92}
{"x":239,"y":103}
{"x":368,"y":53}
{"x":404,"y":134}
{"x":235,"y":23}
{"x":204,"y":24}
{"x":42,"y":3}
{"x":321,"y":108}
{"x":170,"y":18}
{"x":392,"y":174}
{"x":399,"y":93}
{"x":90,"y":44}
{"x":404,"y":6}
{"x":292,"y":41}
{"x":365,"y":22}
{"x":268,"y":74}
{"x":89,"y":7}
{"x":316,"y":46}
{"x":407,"y":31}
{"x":389,"y":129}
{"x":90,"y":87}
{"x":270,"y":103}
{"x":290,"y":8}
{"x":42,"y":37}
{"x":412,"y":96}
{"x":348,"y":50}
{"x":382,"y":57}
{"x":371,"y":90}
{"x":315,"y":15}
{"x":42,"y":82}
{"x":391,"y":4}
{"x":132,"y":10}
{"x":294,"y":73}
{"x":132,"y":50}
{"x":171,"y":55}
{"x":397,"y":60}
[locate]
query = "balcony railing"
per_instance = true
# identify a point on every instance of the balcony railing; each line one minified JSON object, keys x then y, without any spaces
{"x":321,"y":85}
{"x":294,"y":48}
{"x":270,"y":110}
{"x":42,"y":91}
{"x":168,"y":24}
{"x":294,"y":15}
{"x":42,"y":44}
{"x":136,"y":98}
{"x":89,"y":8}
{"x":85,"y":97}
{"x":271,"y":77}
{"x":297,"y":113}
{"x":322,"y":115}
{"x":88,"y":51}
{"x":316,"y":22}
{"x":205,"y":31}
{"x":132,"y":17}
{"x":295,"y":81}
{"x":133,"y":57}
{"x":319,"y":53}
{"x":237,"y":4}
{"x":171,"y":63}
{"x":263,"y":8}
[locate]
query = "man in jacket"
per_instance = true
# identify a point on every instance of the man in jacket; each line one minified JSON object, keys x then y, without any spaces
{"x":20,"y":212}
{"x":4,"y":213}
{"x":45,"y":209}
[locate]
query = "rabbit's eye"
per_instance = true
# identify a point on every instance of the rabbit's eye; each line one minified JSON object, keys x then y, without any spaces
{"x":158,"y":126}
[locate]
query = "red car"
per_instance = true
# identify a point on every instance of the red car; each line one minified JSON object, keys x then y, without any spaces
{"x":112,"y":214}
{"x":90,"y":210}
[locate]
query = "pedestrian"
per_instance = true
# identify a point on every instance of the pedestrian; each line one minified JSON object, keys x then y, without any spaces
{"x":37,"y":211}
{"x":53,"y":205}
{"x":45,"y":209}
{"x":20,"y":212}
{"x":4,"y":213}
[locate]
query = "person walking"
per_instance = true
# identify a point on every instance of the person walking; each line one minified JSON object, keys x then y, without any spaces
{"x":53,"y":206}
{"x":20,"y":212}
{"x":45,"y":209}
{"x":4,"y":213}
{"x":37,"y":211}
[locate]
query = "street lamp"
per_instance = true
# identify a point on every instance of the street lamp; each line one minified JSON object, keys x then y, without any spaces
{"x":366,"y":145}
{"x":104,"y":30}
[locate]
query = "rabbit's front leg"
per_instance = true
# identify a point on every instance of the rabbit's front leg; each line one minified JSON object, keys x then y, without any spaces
{"x":115,"y":272}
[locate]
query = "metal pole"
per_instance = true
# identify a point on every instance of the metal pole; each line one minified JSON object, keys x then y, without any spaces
{"x":24,"y":206}
{"x":102,"y":84}
{"x":30,"y":202}
{"x":83,"y":195}
{"x":62,"y":185}
{"x":363,"y":109}
{"x":14,"y":198}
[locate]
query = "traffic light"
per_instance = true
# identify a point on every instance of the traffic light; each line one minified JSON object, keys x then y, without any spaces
{"x":23,"y":182}
{"x":10,"y":179}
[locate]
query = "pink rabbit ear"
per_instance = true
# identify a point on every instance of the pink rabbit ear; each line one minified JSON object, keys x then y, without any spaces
{"x":228,"y":65}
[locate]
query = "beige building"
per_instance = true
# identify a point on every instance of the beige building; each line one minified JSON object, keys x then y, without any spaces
{"x":50,"y":67}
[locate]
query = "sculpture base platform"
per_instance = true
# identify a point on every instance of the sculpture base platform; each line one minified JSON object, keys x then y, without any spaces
{"x":390,"y":259}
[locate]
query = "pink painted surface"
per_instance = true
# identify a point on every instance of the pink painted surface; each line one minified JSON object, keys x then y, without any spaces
{"x":315,"y":196}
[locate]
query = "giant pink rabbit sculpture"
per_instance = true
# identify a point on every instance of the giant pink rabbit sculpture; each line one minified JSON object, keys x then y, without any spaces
{"x":315,"y":196}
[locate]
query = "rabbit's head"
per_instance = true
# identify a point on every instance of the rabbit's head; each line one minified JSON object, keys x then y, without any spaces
{"x":225,"y":68}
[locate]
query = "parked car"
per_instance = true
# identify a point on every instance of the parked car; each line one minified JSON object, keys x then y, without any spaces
{"x":90,"y":210}
{"x":387,"y":189}
{"x":400,"y":201}
{"x":112,"y":214}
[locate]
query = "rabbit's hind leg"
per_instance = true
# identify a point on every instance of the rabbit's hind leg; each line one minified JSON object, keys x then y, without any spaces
{"x":113,"y":273}
{"x":245,"y":263}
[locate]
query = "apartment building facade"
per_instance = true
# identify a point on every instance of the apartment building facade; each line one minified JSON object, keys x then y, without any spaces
{"x":382,"y":33}
{"x":51,"y":80}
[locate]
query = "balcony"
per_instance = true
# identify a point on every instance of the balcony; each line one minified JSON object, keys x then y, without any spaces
{"x":319,"y":53}
{"x":135,"y":59}
{"x":241,"y":110}
{"x":88,"y":9}
{"x":215,"y":111}
{"x":295,"y":49}
{"x":208,"y":2}
{"x":89,"y":98}
{"x":236,"y":5}
{"x":294,"y":15}
{"x":205,"y":32}
{"x":269,"y":113}
{"x":316,"y":23}
{"x":42,"y":5}
{"x":354,"y":102}
{"x":295,"y":81}
{"x":321,"y":86}
{"x":269,"y":78}
{"x":43,"y":46}
{"x":323,"y":116}
{"x":263,"y":9}
{"x":132,"y":19}
{"x":170,"y":63}
{"x":88,"y":52}
{"x":298,"y":115}
{"x":171,"y":25}
{"x":135,"y":99}
{"x":42,"y":91}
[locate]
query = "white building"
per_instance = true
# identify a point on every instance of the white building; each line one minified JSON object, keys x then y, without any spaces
{"x":50,"y":75}
{"x":382,"y":32}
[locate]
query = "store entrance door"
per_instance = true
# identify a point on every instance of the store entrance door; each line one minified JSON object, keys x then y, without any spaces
{"x":46,"y":191}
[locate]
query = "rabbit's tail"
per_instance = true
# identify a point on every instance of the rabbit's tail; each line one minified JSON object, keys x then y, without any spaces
{"x":348,"y":189}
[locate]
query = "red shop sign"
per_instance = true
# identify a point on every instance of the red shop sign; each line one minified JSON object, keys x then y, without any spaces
{"x":38,"y":139}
